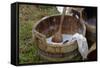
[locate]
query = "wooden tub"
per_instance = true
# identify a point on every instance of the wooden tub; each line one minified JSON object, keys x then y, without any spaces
{"x":47,"y":26}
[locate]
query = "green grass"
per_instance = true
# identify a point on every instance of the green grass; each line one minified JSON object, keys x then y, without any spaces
{"x":28,"y":16}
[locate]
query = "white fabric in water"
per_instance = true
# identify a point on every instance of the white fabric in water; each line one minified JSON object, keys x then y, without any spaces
{"x":65,"y":37}
{"x":81,"y":40}
{"x":82,"y":44}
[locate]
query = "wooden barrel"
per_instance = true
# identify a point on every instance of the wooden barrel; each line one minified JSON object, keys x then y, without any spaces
{"x":90,"y":18}
{"x":47,"y":26}
{"x":90,"y":32}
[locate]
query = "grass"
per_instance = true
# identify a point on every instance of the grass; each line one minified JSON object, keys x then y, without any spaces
{"x":28,"y":16}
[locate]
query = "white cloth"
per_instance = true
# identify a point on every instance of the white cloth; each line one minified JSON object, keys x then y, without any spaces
{"x":64,"y":36}
{"x":81,"y":40}
{"x":82,"y":44}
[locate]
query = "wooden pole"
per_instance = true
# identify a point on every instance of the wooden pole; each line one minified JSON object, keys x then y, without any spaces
{"x":58,"y":36}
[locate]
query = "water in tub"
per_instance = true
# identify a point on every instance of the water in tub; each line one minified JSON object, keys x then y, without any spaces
{"x":66,"y":37}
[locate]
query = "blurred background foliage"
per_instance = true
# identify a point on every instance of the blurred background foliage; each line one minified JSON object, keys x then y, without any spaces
{"x":28,"y":16}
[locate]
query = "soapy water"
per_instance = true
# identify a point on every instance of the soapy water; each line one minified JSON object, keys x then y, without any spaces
{"x":66,"y":38}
